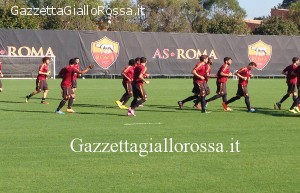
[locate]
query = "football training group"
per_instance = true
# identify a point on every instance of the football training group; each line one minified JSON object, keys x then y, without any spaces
{"x":135,"y":74}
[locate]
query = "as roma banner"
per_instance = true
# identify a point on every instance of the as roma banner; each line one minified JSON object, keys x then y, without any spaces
{"x":169,"y":54}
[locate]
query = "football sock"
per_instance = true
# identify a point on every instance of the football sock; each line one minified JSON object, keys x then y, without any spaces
{"x":30,"y":95}
{"x":294,"y":97}
{"x":232,"y":99}
{"x":202,"y":101}
{"x":61,"y":104}
{"x":213,"y":98}
{"x":284,"y":98}
{"x":247,"y":101}
{"x":133,"y":103}
{"x":122,"y":98}
{"x":138,"y":103}
{"x":70,"y":102}
{"x":189,"y":99}
{"x":125,"y":98}
{"x":224,"y":98}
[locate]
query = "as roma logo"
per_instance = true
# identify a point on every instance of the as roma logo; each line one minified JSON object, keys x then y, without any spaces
{"x":2,"y":51}
{"x":105,"y":52}
{"x":260,"y":53}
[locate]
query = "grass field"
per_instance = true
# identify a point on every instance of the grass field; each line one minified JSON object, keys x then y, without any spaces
{"x":35,"y":154}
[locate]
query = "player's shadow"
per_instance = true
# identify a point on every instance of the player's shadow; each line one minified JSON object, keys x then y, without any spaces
{"x":53,"y":99}
{"x":94,"y":106}
{"x":163,"y":106}
{"x":11,"y":102}
{"x":25,"y":111}
{"x":154,"y":110}
{"x":39,"y":98}
{"x":52,"y":112}
{"x":275,"y":113}
{"x":115,"y":107}
{"x":171,"y":108}
{"x":107,"y":114}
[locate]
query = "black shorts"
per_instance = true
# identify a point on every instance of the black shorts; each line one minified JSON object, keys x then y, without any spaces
{"x":127,"y":86}
{"x":221,"y":88}
{"x":242,"y":91}
{"x":291,"y":88}
{"x":139,"y":91}
{"x":200,"y":89}
{"x":67,"y":92}
{"x":41,"y":85}
{"x":74,"y":84}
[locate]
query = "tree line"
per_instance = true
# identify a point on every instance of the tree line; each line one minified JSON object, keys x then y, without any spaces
{"x":184,"y":16}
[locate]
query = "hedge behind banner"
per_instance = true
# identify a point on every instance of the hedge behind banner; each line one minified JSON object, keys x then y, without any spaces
{"x":167,"y":53}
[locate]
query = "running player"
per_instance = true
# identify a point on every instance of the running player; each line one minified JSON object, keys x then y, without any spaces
{"x":67,"y":74}
{"x":295,"y":108}
{"x":138,"y":61}
{"x":199,"y":73}
{"x":291,"y":81}
{"x":127,"y":80}
{"x":139,"y":93}
{"x":222,"y":77}
{"x":200,"y":85}
{"x":207,"y":76}
{"x":41,"y":81}
{"x":244,"y":75}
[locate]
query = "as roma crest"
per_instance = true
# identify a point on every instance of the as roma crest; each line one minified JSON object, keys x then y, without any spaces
{"x":105,"y":52}
{"x":2,"y":51}
{"x":260,"y":53}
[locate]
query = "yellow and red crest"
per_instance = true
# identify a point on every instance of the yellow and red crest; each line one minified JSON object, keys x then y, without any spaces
{"x":105,"y":52}
{"x":260,"y":53}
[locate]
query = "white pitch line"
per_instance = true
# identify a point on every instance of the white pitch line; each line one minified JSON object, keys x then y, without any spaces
{"x":131,"y":124}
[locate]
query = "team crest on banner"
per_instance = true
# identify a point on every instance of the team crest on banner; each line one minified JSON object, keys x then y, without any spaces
{"x":105,"y":52}
{"x":260,"y":53}
{"x":2,"y":51}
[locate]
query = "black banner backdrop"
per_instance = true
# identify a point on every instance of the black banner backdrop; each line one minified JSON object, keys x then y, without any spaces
{"x":167,"y":53}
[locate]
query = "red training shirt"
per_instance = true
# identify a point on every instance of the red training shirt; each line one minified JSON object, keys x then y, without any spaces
{"x":43,"y":68}
{"x":200,"y":70}
{"x":245,"y":72}
{"x":67,"y":74}
{"x":290,"y":79}
{"x":128,"y":71}
{"x":226,"y":70}
{"x":138,"y":70}
{"x":297,"y":71}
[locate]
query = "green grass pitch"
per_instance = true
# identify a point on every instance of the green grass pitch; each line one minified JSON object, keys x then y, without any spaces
{"x":35,"y":154}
